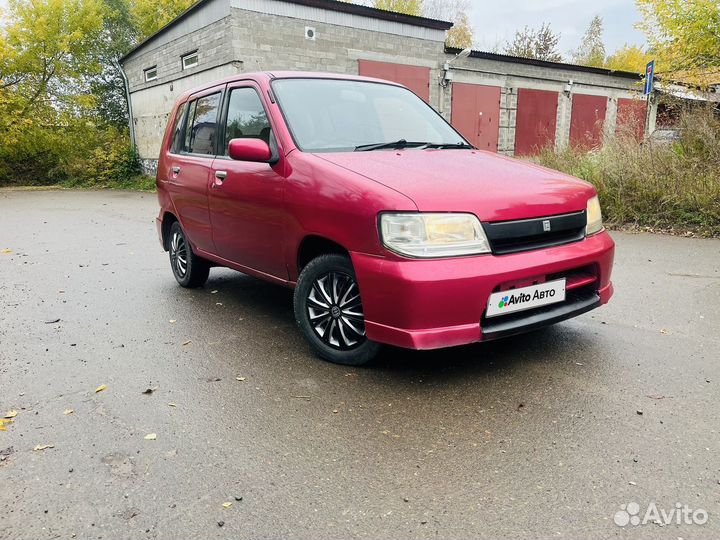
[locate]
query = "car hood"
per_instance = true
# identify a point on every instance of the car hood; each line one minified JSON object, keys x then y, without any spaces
{"x":493,"y":187}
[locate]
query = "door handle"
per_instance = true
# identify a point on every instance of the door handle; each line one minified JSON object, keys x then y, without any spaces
{"x":176,"y":170}
{"x":219,"y":177}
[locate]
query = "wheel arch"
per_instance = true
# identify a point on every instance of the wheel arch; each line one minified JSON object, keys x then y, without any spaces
{"x":314,"y":245}
{"x":167,"y":222}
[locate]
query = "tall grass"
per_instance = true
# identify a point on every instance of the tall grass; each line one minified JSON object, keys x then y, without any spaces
{"x":669,"y":185}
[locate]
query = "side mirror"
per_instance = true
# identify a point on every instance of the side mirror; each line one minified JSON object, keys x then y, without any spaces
{"x":249,"y":150}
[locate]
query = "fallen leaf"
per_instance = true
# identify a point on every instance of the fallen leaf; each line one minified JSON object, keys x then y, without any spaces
{"x":68,"y":411}
{"x":172,"y":321}
{"x":6,"y":250}
{"x":149,"y":390}
{"x":218,"y":303}
{"x":227,"y":504}
{"x":11,"y":414}
{"x":4,"y":421}
{"x":213,"y":292}
{"x":101,"y":388}
{"x":151,"y":436}
{"x":53,"y":321}
{"x":172,"y":405}
{"x":663,"y":331}
{"x":43,"y":447}
{"x":188,"y":342}
{"x":240,"y":379}
{"x":61,"y":291}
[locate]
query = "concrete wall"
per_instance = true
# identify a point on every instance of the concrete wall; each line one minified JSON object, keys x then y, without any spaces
{"x":232,"y":36}
{"x":264,"y":35}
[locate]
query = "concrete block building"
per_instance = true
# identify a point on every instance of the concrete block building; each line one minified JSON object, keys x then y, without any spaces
{"x":500,"y":103}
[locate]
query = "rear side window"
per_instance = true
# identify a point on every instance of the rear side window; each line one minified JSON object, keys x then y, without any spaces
{"x":201,"y":125}
{"x":178,"y":131}
{"x":246,"y":117}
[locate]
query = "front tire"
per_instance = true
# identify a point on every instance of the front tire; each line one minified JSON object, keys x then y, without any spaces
{"x":328,"y":310}
{"x":189,"y":270}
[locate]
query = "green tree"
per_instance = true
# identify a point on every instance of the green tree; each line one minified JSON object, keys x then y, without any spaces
{"x":685,"y":36}
{"x":592,"y":49}
{"x":117,"y":37}
{"x":409,"y":7}
{"x":541,"y":44}
{"x":48,"y":49}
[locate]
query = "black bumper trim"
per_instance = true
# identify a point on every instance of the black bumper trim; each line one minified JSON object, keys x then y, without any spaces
{"x":551,"y":315}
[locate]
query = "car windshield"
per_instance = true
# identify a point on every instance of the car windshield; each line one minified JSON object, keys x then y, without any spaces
{"x":329,"y":115}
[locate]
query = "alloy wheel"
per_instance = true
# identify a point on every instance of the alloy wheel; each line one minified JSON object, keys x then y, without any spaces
{"x":335,"y":311}
{"x":178,"y":254}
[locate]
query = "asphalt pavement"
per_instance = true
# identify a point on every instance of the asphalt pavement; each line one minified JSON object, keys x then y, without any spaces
{"x":245,"y":434}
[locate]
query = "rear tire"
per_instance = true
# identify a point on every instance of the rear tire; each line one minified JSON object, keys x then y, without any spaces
{"x":328,"y":310}
{"x":189,"y":270}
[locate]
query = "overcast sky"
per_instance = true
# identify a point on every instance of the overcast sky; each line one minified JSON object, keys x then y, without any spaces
{"x":495,"y":21}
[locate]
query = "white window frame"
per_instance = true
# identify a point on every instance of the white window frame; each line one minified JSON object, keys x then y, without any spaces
{"x":190,"y":56}
{"x":147,"y":72}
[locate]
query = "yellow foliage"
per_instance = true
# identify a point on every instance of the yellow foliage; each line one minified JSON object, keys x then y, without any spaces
{"x":461,"y":34}
{"x":628,"y":58}
{"x":409,"y":7}
{"x":684,"y":35}
{"x":151,"y":15}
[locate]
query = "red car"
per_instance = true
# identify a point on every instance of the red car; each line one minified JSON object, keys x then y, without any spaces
{"x":390,"y":227}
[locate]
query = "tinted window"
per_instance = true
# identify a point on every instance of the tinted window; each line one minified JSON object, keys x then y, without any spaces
{"x":338,"y":115}
{"x":246,"y":117}
{"x":178,"y":131}
{"x":202,"y":134}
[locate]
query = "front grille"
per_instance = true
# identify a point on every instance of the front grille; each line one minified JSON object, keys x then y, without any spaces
{"x":536,"y":233}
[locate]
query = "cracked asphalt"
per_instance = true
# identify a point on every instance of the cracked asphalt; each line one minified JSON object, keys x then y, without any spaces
{"x":545,"y":435}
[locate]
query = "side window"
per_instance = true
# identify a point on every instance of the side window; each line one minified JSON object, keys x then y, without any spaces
{"x":177,"y":132}
{"x":188,"y":127}
{"x":204,"y":121}
{"x":246,"y":117}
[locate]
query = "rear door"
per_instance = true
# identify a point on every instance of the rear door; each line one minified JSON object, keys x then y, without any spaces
{"x":190,"y":167}
{"x":246,"y":198}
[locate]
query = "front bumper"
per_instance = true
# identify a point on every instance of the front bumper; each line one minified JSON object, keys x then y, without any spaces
{"x":429,"y":304}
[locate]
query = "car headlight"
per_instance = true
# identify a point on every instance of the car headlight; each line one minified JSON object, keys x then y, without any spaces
{"x":433,"y":234}
{"x":594,"y":216}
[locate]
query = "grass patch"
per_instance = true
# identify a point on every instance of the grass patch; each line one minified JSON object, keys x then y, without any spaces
{"x":658,"y":185}
{"x":137,"y":183}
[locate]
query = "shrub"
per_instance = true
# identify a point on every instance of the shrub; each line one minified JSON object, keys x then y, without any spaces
{"x":74,"y":155}
{"x":655,"y":184}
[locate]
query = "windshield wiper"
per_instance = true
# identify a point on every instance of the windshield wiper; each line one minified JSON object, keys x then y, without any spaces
{"x":458,"y":145}
{"x":402,"y":143}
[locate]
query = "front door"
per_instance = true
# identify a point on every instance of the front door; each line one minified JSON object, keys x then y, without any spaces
{"x":245,"y":198}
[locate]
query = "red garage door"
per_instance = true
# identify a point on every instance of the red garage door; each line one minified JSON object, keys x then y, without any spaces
{"x":536,"y":120}
{"x":631,"y":118}
{"x":476,"y":112}
{"x":586,"y":122}
{"x":415,"y":78}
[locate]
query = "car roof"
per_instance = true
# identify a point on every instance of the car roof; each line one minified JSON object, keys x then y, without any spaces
{"x":273,"y":75}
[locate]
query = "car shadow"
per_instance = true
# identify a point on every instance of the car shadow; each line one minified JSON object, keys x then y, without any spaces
{"x":273,"y":304}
